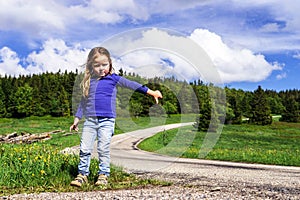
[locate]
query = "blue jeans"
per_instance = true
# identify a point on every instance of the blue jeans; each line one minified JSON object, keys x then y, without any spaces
{"x":103,"y":129}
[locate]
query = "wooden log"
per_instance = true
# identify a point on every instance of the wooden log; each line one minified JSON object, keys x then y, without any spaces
{"x":2,"y":137}
{"x":41,"y":136}
{"x":27,"y":137}
{"x":7,"y":137}
{"x":19,"y":138}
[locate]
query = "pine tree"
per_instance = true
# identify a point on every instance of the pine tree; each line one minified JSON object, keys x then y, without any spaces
{"x":291,"y":112}
{"x":2,"y":101}
{"x":208,"y":119}
{"x":234,"y":107}
{"x":23,"y":99}
{"x":261,"y":112}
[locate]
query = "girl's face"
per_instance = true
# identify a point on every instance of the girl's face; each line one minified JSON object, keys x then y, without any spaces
{"x":101,"y":65}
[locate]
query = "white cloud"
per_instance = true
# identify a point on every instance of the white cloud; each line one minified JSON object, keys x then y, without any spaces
{"x":171,"y":6}
{"x":275,"y":29}
{"x":152,"y":63}
{"x":234,"y":64}
{"x":32,"y":17}
{"x":55,"y":55}
{"x":43,"y":19}
{"x":297,"y":55}
{"x":190,"y":60}
{"x":287,"y":11}
{"x":270,"y":27}
{"x":203,"y":55}
{"x":9,"y":62}
{"x":281,"y":76}
{"x":37,"y":19}
{"x":123,"y":9}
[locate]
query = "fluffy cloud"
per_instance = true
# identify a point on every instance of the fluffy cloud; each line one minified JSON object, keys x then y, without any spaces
{"x":159,"y":48}
{"x":281,"y":76}
{"x":110,"y":12}
{"x":297,"y":55}
{"x":231,"y":64}
{"x":55,"y":55}
{"x":37,"y":19}
{"x":47,"y":18}
{"x":32,"y":17}
{"x":234,"y":64}
{"x":152,"y":52}
{"x":9,"y":62}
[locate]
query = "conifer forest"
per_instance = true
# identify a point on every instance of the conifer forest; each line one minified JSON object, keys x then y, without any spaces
{"x":57,"y":94}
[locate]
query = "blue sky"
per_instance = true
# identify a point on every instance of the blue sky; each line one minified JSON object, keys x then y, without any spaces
{"x":250,"y":43}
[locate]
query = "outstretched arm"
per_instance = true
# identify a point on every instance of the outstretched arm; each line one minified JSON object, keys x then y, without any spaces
{"x":156,"y":94}
{"x":138,"y":87}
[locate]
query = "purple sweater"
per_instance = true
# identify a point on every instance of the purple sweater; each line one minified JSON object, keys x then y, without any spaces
{"x":101,"y":101}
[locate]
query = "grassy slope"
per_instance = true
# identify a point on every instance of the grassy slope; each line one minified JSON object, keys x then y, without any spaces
{"x":274,"y":144}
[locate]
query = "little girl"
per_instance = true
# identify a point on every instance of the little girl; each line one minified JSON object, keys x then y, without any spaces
{"x":98,"y":105}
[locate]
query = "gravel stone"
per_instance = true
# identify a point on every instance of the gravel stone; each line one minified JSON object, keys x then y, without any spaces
{"x":184,"y":187}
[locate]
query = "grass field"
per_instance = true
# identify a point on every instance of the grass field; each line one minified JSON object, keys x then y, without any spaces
{"x":39,"y":167}
{"x":276,"y":144}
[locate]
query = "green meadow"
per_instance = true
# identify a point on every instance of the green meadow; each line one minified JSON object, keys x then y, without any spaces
{"x":40,"y":167}
{"x":275,"y":144}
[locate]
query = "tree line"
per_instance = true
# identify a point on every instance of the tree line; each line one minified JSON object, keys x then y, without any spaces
{"x":57,"y":94}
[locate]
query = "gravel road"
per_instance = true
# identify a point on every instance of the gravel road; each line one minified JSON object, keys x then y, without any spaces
{"x":192,"y":178}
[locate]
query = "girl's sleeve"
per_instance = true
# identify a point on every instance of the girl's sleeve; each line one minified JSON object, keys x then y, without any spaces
{"x":80,"y":108}
{"x":131,"y":85}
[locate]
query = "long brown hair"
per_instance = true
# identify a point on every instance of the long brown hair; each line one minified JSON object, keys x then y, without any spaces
{"x":85,"y":84}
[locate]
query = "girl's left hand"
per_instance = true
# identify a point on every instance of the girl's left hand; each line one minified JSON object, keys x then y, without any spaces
{"x":156,"y":94}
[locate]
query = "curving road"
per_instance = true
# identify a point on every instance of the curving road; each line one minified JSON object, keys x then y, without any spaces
{"x":125,"y":153}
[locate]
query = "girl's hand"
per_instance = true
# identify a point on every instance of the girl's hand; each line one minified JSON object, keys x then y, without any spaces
{"x":156,"y":94}
{"x":74,"y":127}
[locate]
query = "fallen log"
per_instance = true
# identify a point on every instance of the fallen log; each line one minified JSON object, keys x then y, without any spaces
{"x":14,"y":138}
{"x":12,"y":135}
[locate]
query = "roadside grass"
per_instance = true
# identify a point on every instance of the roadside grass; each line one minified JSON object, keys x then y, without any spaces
{"x":276,"y":144}
{"x":40,"y":167}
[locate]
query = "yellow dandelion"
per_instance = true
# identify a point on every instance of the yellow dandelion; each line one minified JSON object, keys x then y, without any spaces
{"x":32,"y":175}
{"x":43,"y":172}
